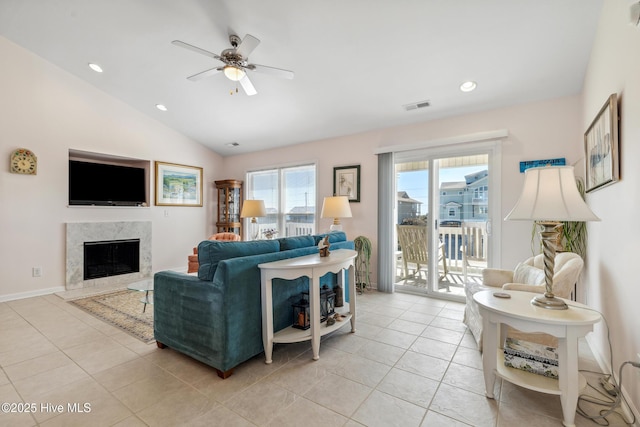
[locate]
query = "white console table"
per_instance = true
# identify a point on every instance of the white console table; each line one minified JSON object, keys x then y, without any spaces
{"x":518,"y":312}
{"x":313,"y":267}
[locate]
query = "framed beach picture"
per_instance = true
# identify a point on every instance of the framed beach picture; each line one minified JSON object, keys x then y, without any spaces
{"x":346,"y":182}
{"x":178,"y":185}
{"x":601,"y":147}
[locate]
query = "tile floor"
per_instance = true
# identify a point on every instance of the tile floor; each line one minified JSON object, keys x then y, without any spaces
{"x":410,"y":363}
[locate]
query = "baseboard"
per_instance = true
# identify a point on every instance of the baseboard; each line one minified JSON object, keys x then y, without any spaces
{"x":604,"y":365}
{"x":36,"y":293}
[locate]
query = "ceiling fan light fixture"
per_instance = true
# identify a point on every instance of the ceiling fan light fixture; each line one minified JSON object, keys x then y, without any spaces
{"x":234,"y":73}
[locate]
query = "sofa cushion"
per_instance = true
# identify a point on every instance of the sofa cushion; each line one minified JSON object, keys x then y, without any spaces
{"x":527,"y":274}
{"x":211,"y":252}
{"x":297,"y":242}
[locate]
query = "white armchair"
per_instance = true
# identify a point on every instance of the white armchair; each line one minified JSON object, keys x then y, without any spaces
{"x":527,"y":276}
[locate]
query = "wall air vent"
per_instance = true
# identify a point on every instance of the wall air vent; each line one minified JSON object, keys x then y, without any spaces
{"x":416,"y":105}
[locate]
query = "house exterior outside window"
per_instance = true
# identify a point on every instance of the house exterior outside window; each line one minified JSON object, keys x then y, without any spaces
{"x":465,"y":200}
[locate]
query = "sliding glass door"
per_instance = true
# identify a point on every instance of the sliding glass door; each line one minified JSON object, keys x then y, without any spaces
{"x":443,"y":211}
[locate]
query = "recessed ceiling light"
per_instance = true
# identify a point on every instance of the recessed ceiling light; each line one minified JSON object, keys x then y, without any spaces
{"x":468,"y":86}
{"x":161,"y":107}
{"x":95,"y":67}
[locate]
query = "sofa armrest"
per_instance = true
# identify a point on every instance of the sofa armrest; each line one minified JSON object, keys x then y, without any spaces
{"x":496,"y":277}
{"x":524,"y":287}
{"x":185,"y":305}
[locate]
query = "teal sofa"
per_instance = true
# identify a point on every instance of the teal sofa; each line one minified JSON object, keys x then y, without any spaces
{"x":216,"y":317}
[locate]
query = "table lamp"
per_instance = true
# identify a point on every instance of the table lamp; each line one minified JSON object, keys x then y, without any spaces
{"x":550,"y":195}
{"x":253,"y":209}
{"x":336,"y":207}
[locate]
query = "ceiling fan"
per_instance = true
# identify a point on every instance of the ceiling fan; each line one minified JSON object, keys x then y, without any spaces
{"x":236,"y":62}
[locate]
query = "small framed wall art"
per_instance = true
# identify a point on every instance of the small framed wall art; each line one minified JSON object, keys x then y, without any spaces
{"x":601,"y":147}
{"x":178,"y":185}
{"x":346,"y":182}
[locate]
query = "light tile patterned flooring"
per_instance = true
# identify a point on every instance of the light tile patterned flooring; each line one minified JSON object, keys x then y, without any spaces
{"x":410,"y":363}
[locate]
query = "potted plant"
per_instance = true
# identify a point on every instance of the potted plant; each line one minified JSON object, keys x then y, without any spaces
{"x":363,"y":247}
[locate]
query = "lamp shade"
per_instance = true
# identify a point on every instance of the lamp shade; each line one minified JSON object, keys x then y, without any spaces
{"x":550,"y":193}
{"x":335,"y":207}
{"x":253,"y":209}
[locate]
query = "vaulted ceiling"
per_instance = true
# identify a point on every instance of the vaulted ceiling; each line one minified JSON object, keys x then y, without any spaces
{"x":356,"y":62}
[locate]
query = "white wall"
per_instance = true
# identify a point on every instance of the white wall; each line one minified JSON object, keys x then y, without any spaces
{"x":49,"y":111}
{"x":611,"y":273}
{"x":537,"y":131}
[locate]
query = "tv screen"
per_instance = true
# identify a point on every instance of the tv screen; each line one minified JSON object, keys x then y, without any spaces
{"x":105,"y":185}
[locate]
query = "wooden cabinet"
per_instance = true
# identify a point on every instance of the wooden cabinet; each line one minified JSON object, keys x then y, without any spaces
{"x":229,"y":206}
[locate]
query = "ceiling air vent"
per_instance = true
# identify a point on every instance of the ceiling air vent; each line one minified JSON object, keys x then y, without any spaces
{"x":416,"y":105}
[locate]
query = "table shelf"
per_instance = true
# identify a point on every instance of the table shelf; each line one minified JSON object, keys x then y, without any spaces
{"x":290,"y":335}
{"x":526,"y":379}
{"x":530,"y":380}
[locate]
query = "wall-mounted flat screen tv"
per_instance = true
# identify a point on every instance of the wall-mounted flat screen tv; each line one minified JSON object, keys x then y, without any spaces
{"x":102,"y":184}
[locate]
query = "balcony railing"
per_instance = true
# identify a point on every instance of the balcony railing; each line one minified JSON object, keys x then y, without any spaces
{"x":465,"y":246}
{"x":291,"y":229}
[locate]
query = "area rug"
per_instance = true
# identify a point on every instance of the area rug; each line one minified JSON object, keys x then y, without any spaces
{"x":122,"y":309}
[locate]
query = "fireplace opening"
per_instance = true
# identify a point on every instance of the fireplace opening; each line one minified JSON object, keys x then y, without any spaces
{"x":111,"y":258}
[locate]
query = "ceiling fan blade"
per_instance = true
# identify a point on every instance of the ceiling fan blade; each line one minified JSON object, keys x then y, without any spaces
{"x":204,"y":74}
{"x":195,"y":49}
{"x":279,"y":72}
{"x":247,"y":45}
{"x":248,"y":86}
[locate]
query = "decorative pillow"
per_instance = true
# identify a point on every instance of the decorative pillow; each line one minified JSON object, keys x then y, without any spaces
{"x":288,"y":243}
{"x":211,"y":252}
{"x":528,"y":275}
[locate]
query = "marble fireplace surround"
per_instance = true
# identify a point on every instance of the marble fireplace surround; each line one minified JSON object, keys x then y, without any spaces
{"x":80,"y":232}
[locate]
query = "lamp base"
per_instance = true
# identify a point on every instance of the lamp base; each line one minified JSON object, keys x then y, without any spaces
{"x":549,"y":302}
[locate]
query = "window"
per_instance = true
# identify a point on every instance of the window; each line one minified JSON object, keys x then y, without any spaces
{"x":289,"y":195}
{"x":481,"y":210}
{"x":481,"y":193}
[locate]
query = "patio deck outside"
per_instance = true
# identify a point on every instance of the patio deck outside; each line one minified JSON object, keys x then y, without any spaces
{"x":465,"y":256}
